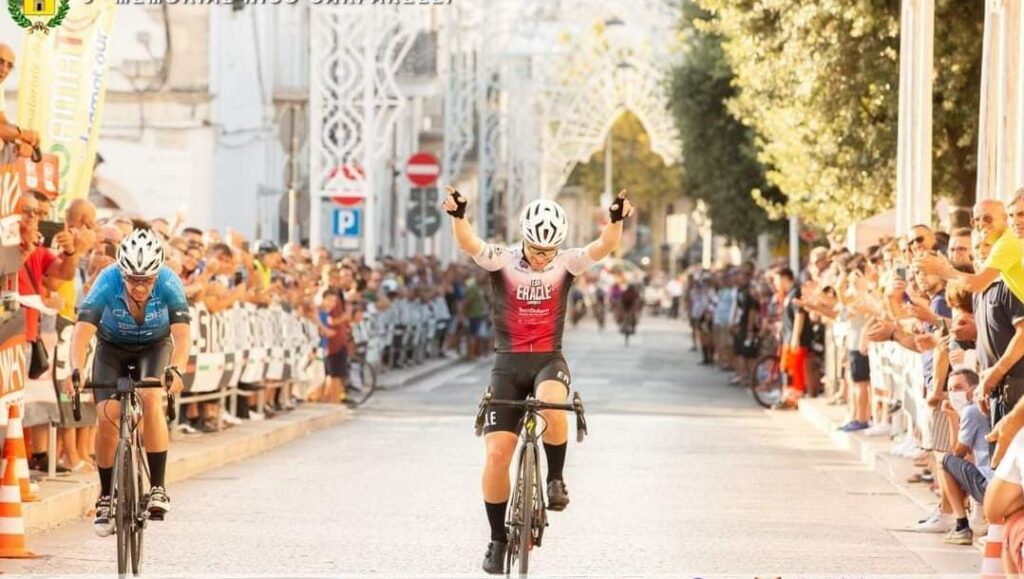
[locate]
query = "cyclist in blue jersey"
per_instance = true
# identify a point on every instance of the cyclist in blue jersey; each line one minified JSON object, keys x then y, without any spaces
{"x":138,"y":309}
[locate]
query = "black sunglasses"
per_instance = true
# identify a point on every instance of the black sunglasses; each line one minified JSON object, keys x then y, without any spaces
{"x":918,"y":239}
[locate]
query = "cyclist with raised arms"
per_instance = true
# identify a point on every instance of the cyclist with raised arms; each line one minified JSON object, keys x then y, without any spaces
{"x":531,"y":285}
{"x":138,"y":308}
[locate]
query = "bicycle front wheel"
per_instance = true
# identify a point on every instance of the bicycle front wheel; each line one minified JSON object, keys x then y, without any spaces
{"x":528,"y":476}
{"x":766,"y":381}
{"x":124,"y":505}
{"x":139,"y":521}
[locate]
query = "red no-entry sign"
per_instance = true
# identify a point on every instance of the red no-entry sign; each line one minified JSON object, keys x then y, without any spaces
{"x":422,"y":169}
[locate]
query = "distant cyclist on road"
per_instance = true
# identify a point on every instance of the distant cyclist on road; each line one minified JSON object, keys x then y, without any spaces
{"x":531,"y":285}
{"x":138,"y":308}
{"x":630,"y":305}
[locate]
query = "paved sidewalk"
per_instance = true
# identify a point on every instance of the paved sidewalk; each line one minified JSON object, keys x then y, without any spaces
{"x":874,"y":452}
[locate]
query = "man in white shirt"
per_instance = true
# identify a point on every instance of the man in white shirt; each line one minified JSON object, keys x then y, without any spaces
{"x":675,"y":292}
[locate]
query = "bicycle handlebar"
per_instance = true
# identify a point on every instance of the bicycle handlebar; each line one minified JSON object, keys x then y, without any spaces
{"x":533,"y":404}
{"x":119,"y":384}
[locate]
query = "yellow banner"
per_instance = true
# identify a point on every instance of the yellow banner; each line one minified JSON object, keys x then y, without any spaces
{"x":62,"y":88}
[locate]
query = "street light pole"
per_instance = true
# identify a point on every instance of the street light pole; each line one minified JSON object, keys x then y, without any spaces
{"x":369,"y":143}
{"x":606,"y":198}
{"x":293,"y":170}
{"x":794,"y":244}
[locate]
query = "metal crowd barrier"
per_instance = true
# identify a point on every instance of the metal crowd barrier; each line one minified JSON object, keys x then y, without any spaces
{"x":895,"y":371}
{"x":239,"y":351}
{"x":406,"y":334}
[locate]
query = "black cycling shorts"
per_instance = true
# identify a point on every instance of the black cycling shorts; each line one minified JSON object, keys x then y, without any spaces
{"x":111,"y":362}
{"x":516,"y":376}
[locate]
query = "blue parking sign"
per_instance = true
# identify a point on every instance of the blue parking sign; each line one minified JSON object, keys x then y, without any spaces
{"x":348,"y":222}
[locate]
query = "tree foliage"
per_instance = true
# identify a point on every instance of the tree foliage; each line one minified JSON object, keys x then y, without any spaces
{"x":959,"y":30}
{"x":634,"y":166}
{"x":818,"y":82}
{"x":651,"y":183}
{"x":720,"y":163}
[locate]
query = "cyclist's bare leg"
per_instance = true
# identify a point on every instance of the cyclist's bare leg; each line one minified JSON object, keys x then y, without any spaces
{"x":554,"y":392}
{"x":156,"y":439}
{"x":108,"y":417}
{"x":500,"y":448}
{"x":154,"y":430}
{"x":556,"y":437}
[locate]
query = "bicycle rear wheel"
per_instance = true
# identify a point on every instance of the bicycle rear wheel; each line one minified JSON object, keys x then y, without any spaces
{"x":766,"y":381}
{"x":362,"y":378}
{"x":124,"y":505}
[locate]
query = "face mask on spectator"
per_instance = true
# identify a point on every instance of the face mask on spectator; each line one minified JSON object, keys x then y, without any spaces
{"x":958,"y":399}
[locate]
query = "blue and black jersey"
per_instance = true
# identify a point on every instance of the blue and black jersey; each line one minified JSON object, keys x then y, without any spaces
{"x":106,"y":307}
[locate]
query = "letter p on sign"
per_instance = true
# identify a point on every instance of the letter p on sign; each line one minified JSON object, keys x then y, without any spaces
{"x":347,"y":222}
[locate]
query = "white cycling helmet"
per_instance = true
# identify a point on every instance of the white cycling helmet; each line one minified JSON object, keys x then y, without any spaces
{"x":141,"y":253}
{"x":544,"y":223}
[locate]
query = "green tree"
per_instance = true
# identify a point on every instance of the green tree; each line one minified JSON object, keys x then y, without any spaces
{"x":720,"y":163}
{"x":959,"y":29}
{"x":818,"y":83}
{"x":651,"y":183}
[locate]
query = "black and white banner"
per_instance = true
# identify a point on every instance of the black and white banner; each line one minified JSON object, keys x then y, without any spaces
{"x":243,"y":344}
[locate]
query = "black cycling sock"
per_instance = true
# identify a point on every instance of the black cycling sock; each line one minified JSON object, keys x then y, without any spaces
{"x":496,"y":517}
{"x":555,"y":454}
{"x":962,"y":524}
{"x":157,"y":467}
{"x":106,"y":476}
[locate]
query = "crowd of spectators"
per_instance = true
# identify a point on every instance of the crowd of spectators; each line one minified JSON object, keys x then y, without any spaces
{"x":220,"y":270}
{"x":945,"y":306}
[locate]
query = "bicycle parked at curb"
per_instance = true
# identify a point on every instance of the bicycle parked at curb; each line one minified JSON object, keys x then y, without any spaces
{"x":766,"y":375}
{"x":527,"y":517}
{"x":362,"y":378}
{"x":131,"y":469}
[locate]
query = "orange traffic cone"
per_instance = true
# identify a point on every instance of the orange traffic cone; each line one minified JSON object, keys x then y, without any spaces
{"x":14,"y":451}
{"x":12,"y":525}
{"x":992,"y":563}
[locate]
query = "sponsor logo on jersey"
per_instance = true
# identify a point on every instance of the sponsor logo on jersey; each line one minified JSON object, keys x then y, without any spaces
{"x":534,"y":293}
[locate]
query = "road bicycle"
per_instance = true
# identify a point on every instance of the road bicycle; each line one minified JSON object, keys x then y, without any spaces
{"x":766,"y":376}
{"x":362,"y":378}
{"x":130,"y":480}
{"x":527,"y":517}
